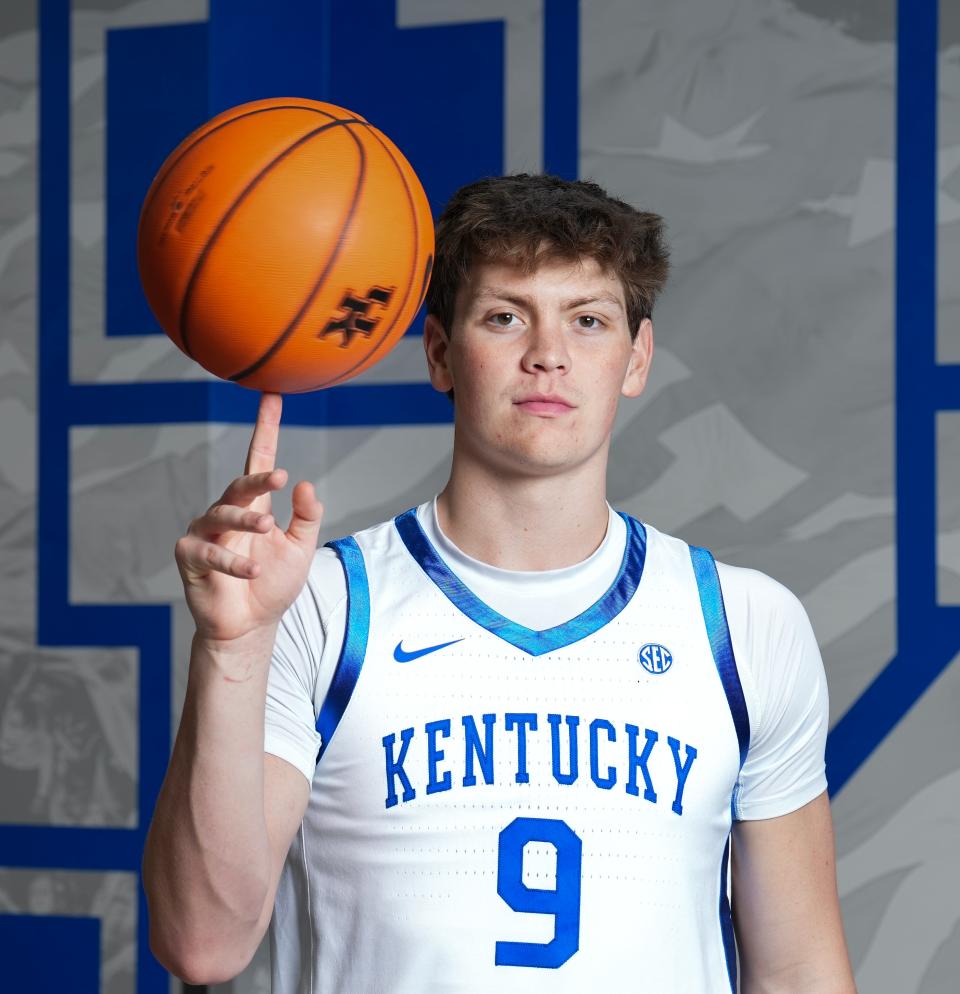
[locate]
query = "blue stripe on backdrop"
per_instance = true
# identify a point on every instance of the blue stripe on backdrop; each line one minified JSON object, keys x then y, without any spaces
{"x":561,"y":88}
{"x":184,"y":403}
{"x":276,"y":49}
{"x":418,"y":85}
{"x":150,"y":110}
{"x":918,"y":662}
{"x":147,"y":629}
{"x":943,"y":388}
{"x":459,"y":128}
{"x":61,"y":847}
{"x":50,"y":953}
{"x":62,"y":405}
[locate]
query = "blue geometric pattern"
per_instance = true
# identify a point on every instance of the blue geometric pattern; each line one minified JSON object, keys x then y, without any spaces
{"x":50,"y":954}
{"x":241,"y":64}
{"x":923,"y":387}
{"x":149,"y":111}
{"x":244,"y":52}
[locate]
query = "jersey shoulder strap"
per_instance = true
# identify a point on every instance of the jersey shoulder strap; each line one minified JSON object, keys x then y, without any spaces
{"x":718,"y":632}
{"x":354,"y":646}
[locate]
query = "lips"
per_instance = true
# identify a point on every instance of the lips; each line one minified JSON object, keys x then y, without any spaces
{"x":550,"y":404}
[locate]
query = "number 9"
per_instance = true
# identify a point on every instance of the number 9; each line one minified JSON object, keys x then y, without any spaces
{"x":563,"y":902}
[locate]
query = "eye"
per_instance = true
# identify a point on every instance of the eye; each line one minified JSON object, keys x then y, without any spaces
{"x":589,"y":321}
{"x":505,"y":319}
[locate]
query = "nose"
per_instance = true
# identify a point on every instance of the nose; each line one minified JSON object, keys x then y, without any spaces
{"x":546,"y":350}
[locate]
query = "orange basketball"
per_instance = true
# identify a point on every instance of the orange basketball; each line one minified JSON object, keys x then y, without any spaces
{"x":285,"y":245}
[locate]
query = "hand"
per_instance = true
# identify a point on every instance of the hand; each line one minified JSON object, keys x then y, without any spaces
{"x":240,"y":572}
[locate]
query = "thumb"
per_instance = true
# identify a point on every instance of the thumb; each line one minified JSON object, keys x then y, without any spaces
{"x":307,"y":515}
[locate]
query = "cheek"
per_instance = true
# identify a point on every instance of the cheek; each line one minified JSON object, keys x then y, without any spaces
{"x":606,"y":392}
{"x":609,"y":378}
{"x":472,"y":378}
{"x":476,"y":369}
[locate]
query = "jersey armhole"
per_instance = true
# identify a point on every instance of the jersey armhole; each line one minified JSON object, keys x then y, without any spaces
{"x":354,"y":646}
{"x":718,"y":633}
{"x":721,"y":646}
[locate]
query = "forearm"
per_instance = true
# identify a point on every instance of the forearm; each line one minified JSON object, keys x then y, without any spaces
{"x":207,"y":859}
{"x":794,"y":950}
{"x":805,"y":979}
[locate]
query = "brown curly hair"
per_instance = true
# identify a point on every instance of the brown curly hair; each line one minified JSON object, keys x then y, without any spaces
{"x":526,"y":219}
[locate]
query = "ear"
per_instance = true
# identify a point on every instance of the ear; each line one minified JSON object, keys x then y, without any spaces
{"x":641,"y":355}
{"x":436,"y":344}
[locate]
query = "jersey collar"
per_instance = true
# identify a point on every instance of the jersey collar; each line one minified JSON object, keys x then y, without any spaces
{"x":528,"y":640}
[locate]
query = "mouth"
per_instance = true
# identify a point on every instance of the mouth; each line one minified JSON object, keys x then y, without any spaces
{"x":550,"y":405}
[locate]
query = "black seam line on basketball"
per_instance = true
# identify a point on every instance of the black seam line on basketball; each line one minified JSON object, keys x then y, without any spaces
{"x":201,"y":258}
{"x":161,"y":178}
{"x":322,"y":278}
{"x":413,"y":268}
{"x":231,"y":210}
{"x":425,"y":281}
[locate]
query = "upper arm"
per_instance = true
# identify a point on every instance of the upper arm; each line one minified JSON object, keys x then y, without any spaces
{"x":785,"y":906}
{"x":785,"y":690}
{"x":285,"y":797}
{"x":305,"y":653}
{"x":784,"y":899}
{"x":305,"y":656}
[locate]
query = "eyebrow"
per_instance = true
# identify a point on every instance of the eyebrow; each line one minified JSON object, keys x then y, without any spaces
{"x":499,"y":293}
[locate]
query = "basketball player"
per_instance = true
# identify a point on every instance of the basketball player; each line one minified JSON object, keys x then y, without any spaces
{"x":501,"y":742}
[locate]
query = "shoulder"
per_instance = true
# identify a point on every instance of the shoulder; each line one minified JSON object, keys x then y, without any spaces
{"x":325,"y":581}
{"x":769,"y":627}
{"x":752,"y":598}
{"x":374,"y":539}
{"x":665,"y":554}
{"x":749,"y":596}
{"x":785,"y":690}
{"x":324,"y":594}
{"x":325,"y":590}
{"x":777,"y":655}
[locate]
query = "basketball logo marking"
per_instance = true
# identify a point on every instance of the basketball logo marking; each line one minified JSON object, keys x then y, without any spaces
{"x":184,"y":206}
{"x":655,"y":658}
{"x":355,"y":321}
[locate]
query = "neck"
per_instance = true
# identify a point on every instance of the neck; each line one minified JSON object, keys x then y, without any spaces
{"x":524,"y":523}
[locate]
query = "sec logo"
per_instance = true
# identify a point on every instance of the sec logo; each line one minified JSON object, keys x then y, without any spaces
{"x":655,"y":658}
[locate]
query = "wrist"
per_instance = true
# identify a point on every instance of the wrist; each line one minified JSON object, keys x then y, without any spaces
{"x":243,"y":653}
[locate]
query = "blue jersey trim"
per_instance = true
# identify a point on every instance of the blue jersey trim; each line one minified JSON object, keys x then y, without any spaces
{"x":718,"y":632}
{"x":726,"y":922}
{"x":354,"y":646}
{"x":535,"y":643}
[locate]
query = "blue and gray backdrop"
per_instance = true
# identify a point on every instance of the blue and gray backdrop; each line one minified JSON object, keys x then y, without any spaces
{"x":802,"y":416}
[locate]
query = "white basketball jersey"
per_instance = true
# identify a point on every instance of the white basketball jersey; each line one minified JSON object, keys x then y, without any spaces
{"x":501,"y":809}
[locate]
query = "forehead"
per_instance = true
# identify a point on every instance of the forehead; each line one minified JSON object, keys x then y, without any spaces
{"x":550,"y":279}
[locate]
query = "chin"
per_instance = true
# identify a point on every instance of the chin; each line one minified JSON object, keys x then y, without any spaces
{"x":542,"y":461}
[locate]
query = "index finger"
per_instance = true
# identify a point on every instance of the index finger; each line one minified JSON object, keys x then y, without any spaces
{"x":262,"y":454}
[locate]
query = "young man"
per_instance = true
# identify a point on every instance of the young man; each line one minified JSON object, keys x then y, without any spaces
{"x":499,"y":743}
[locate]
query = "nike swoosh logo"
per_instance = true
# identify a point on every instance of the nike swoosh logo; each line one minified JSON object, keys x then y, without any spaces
{"x":405,"y":657}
